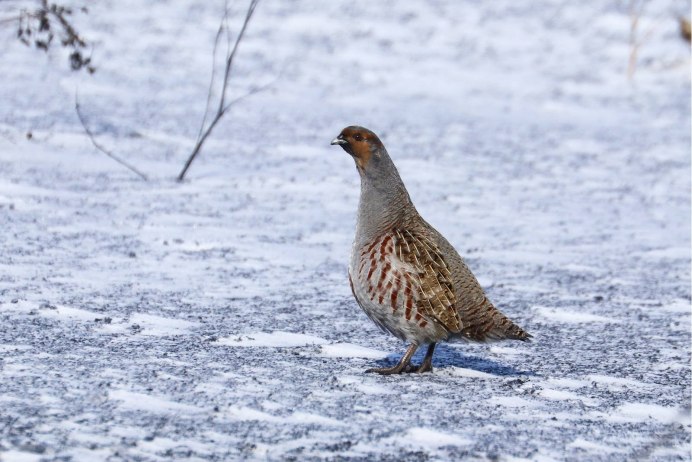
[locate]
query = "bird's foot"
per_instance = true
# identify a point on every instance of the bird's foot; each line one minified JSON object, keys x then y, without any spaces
{"x":424,"y":367}
{"x":398,"y":369}
{"x":409,"y":369}
{"x":402,"y":366}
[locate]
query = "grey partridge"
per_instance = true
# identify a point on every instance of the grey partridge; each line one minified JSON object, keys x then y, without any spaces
{"x":403,"y":273}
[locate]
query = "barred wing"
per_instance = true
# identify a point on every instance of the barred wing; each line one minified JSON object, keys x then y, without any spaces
{"x":428,"y":279}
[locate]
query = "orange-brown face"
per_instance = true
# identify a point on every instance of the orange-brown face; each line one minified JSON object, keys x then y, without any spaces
{"x":360,"y":143}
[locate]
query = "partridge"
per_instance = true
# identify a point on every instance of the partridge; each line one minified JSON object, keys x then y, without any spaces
{"x":403,"y":273}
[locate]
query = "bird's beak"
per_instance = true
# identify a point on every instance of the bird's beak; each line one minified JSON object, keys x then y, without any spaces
{"x":339,"y":140}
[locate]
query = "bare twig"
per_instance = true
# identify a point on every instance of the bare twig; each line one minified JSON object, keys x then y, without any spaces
{"x":634,"y":46}
{"x":253,"y":91}
{"x":101,"y":148}
{"x":223,"y":26}
{"x":231,"y":55}
{"x":222,"y":106}
{"x":636,"y":9}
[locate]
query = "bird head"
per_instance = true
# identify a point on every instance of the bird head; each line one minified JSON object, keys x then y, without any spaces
{"x":380,"y":182}
{"x":362,"y":144}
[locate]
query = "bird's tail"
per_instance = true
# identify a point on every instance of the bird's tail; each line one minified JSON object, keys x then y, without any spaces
{"x":491,"y":324}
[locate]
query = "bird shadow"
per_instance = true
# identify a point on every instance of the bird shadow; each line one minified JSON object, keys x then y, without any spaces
{"x":447,"y":357}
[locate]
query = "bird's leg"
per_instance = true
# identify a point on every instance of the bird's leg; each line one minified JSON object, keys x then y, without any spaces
{"x":426,"y":365}
{"x":401,"y":366}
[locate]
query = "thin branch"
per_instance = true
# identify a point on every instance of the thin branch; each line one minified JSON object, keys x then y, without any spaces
{"x":253,"y":91}
{"x":636,"y":41}
{"x":210,"y":128}
{"x":222,"y":26}
{"x":198,"y":147}
{"x":228,"y":32}
{"x":634,"y":44}
{"x":229,"y":59}
{"x":101,"y":148}
{"x":222,"y":106}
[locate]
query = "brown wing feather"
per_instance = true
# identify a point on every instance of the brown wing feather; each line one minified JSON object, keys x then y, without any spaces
{"x":481,"y":320}
{"x":434,"y":295}
{"x":453,"y":295}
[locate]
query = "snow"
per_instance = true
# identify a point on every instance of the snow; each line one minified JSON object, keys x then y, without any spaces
{"x":428,"y":439}
{"x":349,"y":350}
{"x":678,"y":306}
{"x":465,"y":372}
{"x":592,"y":447}
{"x":512,"y":402}
{"x":212,"y":319}
{"x":148,"y":403}
{"x":558,"y":395}
{"x":637,"y":412}
{"x":297,"y":418}
{"x":276,"y":339}
{"x":21,"y":456}
{"x":570,"y":317}
{"x":148,"y":324}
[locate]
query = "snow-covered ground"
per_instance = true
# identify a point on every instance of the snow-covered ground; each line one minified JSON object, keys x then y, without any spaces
{"x":212,"y":320}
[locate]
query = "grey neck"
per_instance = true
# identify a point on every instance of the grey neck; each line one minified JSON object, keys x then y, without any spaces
{"x":384,"y":201}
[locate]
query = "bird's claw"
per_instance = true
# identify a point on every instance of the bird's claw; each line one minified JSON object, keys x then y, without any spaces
{"x":425,"y":367}
{"x":408,"y":369}
{"x":385,"y":370}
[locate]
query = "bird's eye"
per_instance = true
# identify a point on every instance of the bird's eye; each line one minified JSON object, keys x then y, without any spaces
{"x":357,"y":137}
